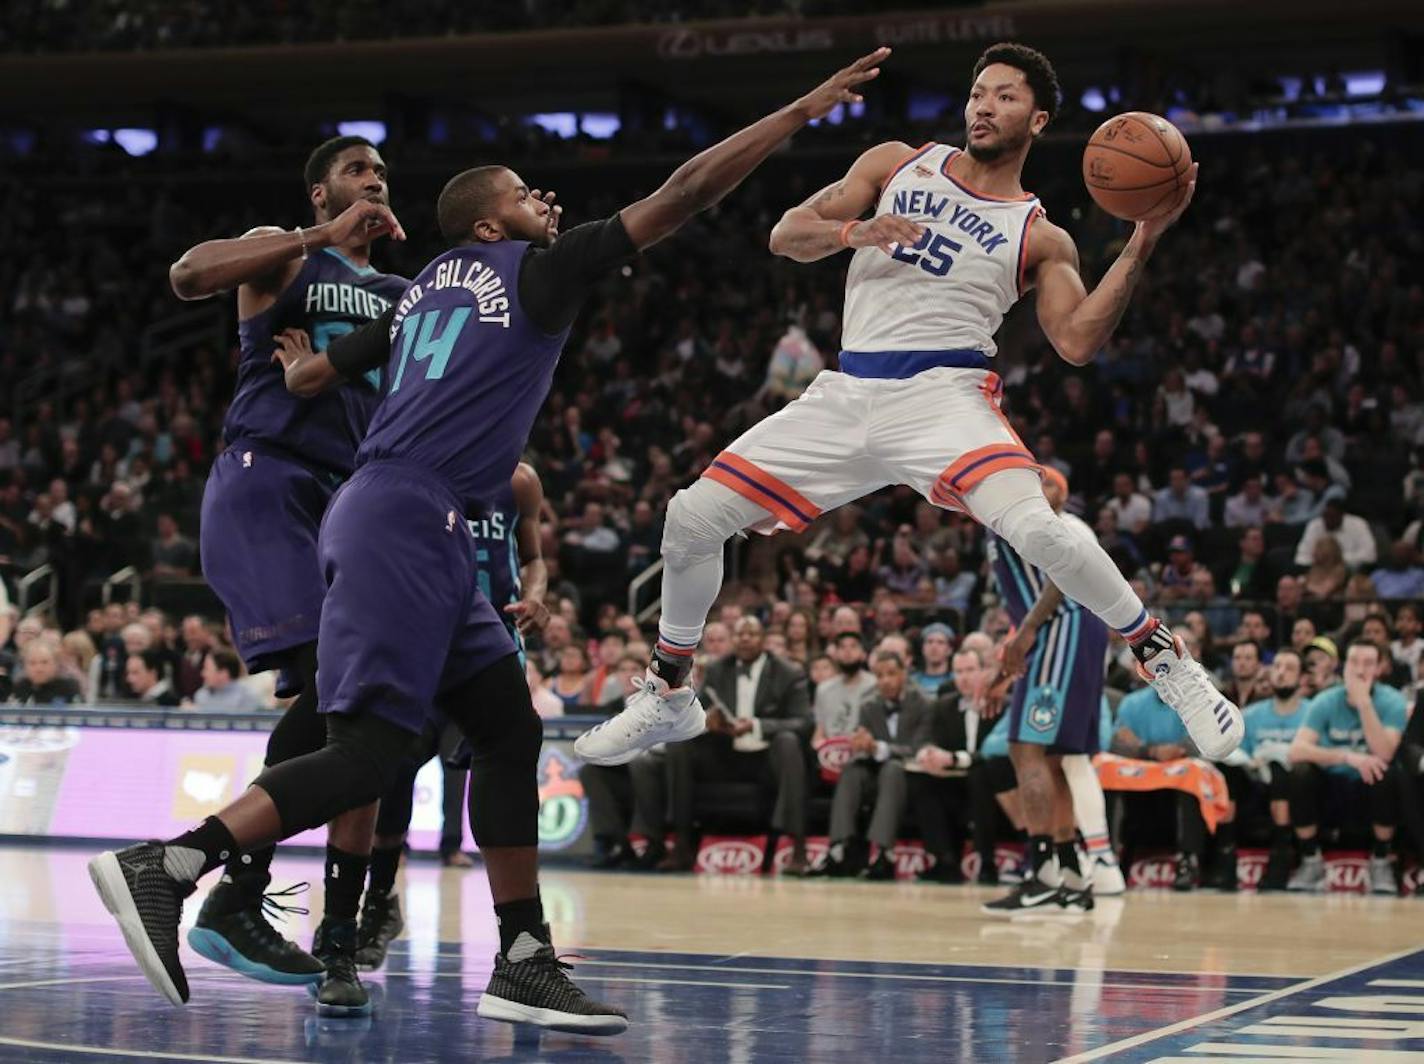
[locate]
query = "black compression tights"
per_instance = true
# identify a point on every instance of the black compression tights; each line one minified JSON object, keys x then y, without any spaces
{"x":364,"y":754}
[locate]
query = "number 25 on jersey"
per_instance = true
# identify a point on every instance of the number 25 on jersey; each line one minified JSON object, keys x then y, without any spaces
{"x":931,"y":253}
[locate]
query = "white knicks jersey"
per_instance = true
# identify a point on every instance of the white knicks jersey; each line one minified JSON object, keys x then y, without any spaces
{"x":951,"y":290}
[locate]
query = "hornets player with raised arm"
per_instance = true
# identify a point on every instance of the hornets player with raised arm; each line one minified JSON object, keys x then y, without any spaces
{"x":264,"y":501}
{"x":471,"y":348}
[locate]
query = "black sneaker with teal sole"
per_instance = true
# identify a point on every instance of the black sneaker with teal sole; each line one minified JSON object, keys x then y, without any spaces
{"x":381,"y":921}
{"x":233,"y":930}
{"x":340,"y":992}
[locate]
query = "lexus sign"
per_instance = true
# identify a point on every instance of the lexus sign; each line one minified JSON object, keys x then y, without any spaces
{"x":688,"y":43}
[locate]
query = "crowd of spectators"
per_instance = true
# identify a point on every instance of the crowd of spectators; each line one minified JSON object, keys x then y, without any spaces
{"x":145,"y":25}
{"x":123,"y":654}
{"x":1247,"y":447}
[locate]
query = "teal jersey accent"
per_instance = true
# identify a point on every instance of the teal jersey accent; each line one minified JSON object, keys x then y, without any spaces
{"x":1105,"y":725}
{"x":930,"y":685}
{"x":1150,"y":719}
{"x":1337,"y":724}
{"x":996,"y":743}
{"x":1268,"y":734}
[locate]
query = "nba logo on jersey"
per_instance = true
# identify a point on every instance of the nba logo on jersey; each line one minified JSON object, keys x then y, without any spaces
{"x":1043,"y":710}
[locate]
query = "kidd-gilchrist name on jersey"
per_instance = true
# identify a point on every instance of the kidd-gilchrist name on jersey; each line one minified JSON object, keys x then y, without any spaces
{"x":468,"y":372}
{"x":329,"y":296}
{"x":951,"y":290}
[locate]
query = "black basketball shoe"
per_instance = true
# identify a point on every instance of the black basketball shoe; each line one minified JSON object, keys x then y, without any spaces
{"x":380,"y":923}
{"x":233,"y":930}
{"x":537,"y":990}
{"x":147,"y":901}
{"x":340,"y":992}
{"x":1032,"y":895}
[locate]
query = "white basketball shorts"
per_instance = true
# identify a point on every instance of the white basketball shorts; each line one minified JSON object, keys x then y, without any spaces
{"x":941,"y":432}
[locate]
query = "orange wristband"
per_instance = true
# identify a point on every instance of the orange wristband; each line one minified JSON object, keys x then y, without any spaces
{"x":845,"y":231}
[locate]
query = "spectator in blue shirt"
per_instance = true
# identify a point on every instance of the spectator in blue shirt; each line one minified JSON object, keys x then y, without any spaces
{"x":936,"y":646}
{"x":1149,"y":730}
{"x":1181,"y":500}
{"x":1341,"y":759}
{"x":1262,"y":763}
{"x":1401,"y":577}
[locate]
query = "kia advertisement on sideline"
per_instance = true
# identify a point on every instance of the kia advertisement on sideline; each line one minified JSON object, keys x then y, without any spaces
{"x":156,"y":782}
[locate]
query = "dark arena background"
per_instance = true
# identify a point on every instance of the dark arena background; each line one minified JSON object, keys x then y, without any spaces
{"x":1248,"y":447}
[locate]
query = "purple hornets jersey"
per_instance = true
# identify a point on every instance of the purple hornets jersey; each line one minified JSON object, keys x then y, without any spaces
{"x":497,"y":550}
{"x":467,"y":375}
{"x":329,"y":296}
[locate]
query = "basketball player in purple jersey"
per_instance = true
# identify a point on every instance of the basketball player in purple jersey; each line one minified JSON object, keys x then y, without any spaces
{"x":472,"y":347}
{"x":264,"y":500}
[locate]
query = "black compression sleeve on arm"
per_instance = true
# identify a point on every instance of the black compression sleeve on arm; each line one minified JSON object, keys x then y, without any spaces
{"x":554,"y":281}
{"x":365,"y":348}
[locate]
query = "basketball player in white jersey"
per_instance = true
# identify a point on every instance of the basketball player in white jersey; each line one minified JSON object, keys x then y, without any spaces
{"x":953,"y":241}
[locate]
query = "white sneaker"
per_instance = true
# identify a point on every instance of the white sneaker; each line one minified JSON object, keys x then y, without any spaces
{"x":1213,"y":721}
{"x":648,"y":718}
{"x":1106,"y":878}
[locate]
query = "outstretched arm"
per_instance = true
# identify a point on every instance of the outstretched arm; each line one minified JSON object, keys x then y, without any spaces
{"x":1078,"y":322}
{"x":267,"y":258}
{"x":704,"y":179}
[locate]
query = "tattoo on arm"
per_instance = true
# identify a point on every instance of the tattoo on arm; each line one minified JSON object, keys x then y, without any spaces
{"x":827,"y":196}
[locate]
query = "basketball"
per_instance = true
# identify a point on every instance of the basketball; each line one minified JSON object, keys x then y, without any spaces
{"x":1136,"y":166}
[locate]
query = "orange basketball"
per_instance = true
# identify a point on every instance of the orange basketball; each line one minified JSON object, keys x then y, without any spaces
{"x":1136,"y":166}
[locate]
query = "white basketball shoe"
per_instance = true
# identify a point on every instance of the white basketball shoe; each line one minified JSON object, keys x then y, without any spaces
{"x":1213,"y":721}
{"x":1105,"y":874}
{"x":652,"y":714}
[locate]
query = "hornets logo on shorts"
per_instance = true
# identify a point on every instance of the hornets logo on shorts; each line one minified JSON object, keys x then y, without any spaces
{"x":1043,"y":709}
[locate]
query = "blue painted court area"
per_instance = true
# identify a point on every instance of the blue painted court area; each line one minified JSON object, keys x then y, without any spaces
{"x":74,"y":996}
{"x":1373,"y":1013}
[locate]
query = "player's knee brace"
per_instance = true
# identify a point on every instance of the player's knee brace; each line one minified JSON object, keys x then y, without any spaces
{"x":1042,"y":537}
{"x":698,"y":523}
{"x":301,"y":729}
{"x":354,"y":768}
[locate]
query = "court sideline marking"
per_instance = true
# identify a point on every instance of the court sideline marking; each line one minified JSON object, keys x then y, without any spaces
{"x":1231,"y":1010}
{"x":146,"y":1054}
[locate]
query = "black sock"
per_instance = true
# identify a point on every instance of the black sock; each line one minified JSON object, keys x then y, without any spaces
{"x":1226,"y":836}
{"x":212,"y":839}
{"x":1310,"y":847}
{"x":252,"y":870}
{"x":1068,"y":857}
{"x":1281,"y":838}
{"x":1381,"y":848}
{"x":1040,"y":849}
{"x":671,"y":669}
{"x":1156,"y":639}
{"x":515,"y":918}
{"x":384,"y":864}
{"x":345,"y":879}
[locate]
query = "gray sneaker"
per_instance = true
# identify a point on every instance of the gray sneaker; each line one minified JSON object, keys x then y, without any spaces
{"x":1382,"y":877}
{"x":1310,"y":876}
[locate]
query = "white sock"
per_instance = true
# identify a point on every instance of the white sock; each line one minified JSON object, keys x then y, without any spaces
{"x":1090,"y":808}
